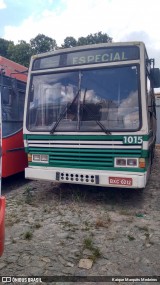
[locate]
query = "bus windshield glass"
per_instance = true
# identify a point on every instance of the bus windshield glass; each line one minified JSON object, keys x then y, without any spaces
{"x":77,"y":100}
{"x":12,"y":107}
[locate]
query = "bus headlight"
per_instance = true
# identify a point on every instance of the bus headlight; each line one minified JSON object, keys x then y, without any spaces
{"x":132,"y":162}
{"x":120,"y":162}
{"x":36,"y":157}
{"x":44,"y":158}
{"x":125,"y":162}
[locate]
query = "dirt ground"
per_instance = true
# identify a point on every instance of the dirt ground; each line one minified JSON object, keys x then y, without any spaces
{"x":70,"y":230}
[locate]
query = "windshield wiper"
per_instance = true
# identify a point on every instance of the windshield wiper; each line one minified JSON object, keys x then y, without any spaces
{"x":107,"y":132}
{"x":66,"y":109}
{"x":80,"y":117}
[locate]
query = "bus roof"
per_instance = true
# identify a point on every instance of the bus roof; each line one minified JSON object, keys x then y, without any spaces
{"x":13,"y":69}
{"x":92,"y":46}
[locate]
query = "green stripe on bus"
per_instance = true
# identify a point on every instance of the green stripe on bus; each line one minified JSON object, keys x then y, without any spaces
{"x":81,"y":137}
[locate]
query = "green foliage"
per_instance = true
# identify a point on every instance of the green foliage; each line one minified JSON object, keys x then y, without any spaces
{"x":89,"y":40}
{"x":42,"y":43}
{"x":4,"y":44}
{"x":22,"y":52}
{"x":28,"y":235}
{"x":69,"y":42}
{"x":94,"y":39}
{"x":88,"y":244}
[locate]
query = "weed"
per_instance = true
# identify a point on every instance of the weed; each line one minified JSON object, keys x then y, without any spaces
{"x":131,"y":237}
{"x":47,"y":210}
{"x":28,"y":235}
{"x":96,"y":254}
{"x":125,"y":213}
{"x":143,"y":228}
{"x":37,"y":226}
{"x":88,"y":244}
{"x":69,"y":237}
{"x":78,"y":197}
{"x":147,"y":235}
{"x":100,"y":223}
{"x":86,"y":223}
{"x":103,"y":222}
{"x":29,"y":196}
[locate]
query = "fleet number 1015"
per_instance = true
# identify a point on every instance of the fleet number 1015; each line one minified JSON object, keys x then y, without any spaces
{"x":132,"y":139}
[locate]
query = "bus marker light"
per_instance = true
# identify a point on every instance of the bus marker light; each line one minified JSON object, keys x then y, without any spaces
{"x":121,"y":181}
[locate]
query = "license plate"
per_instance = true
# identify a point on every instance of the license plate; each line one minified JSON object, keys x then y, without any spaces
{"x":120,"y":181}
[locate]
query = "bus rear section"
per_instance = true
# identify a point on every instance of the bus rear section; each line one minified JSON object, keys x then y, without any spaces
{"x":90,"y":115}
{"x":13,"y":86}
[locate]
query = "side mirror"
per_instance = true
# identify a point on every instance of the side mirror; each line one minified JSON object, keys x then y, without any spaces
{"x":155,"y":75}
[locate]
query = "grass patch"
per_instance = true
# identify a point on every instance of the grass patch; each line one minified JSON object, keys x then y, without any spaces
{"x":131,"y":238}
{"x":88,"y":244}
{"x":103,"y":222}
{"x":143,"y":228}
{"x":37,"y":226}
{"x":125,"y":213}
{"x":28,"y":235}
{"x":28,"y":195}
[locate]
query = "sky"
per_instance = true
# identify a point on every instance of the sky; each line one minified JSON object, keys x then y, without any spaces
{"x":122,"y":20}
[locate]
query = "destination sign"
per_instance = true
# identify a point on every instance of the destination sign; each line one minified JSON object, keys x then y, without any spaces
{"x":89,"y":56}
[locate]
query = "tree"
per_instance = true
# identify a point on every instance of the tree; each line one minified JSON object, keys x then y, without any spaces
{"x":4,"y":44}
{"x":69,"y":42}
{"x":42,"y":43}
{"x":20,"y":53}
{"x":94,"y":39}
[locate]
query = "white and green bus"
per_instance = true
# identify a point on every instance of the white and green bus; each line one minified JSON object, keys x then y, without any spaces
{"x":90,"y":115}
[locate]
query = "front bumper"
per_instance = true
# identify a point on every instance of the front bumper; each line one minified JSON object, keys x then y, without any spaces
{"x":88,"y":177}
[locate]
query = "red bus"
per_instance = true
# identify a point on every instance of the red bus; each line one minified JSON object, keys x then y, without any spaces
{"x":13,"y":159}
{"x":13,"y":77}
{"x":2,"y":199}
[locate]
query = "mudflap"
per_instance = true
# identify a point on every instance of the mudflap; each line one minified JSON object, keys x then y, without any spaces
{"x":2,"y":223}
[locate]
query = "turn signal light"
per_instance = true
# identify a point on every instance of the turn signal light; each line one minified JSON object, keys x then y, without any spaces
{"x":29,"y":157}
{"x":142,"y":163}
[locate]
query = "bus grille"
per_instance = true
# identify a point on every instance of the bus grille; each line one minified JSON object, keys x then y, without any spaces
{"x":80,"y":158}
{"x":84,"y":158}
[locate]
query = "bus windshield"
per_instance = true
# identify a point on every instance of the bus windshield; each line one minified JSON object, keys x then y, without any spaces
{"x":76,"y":100}
{"x":12,"y":107}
